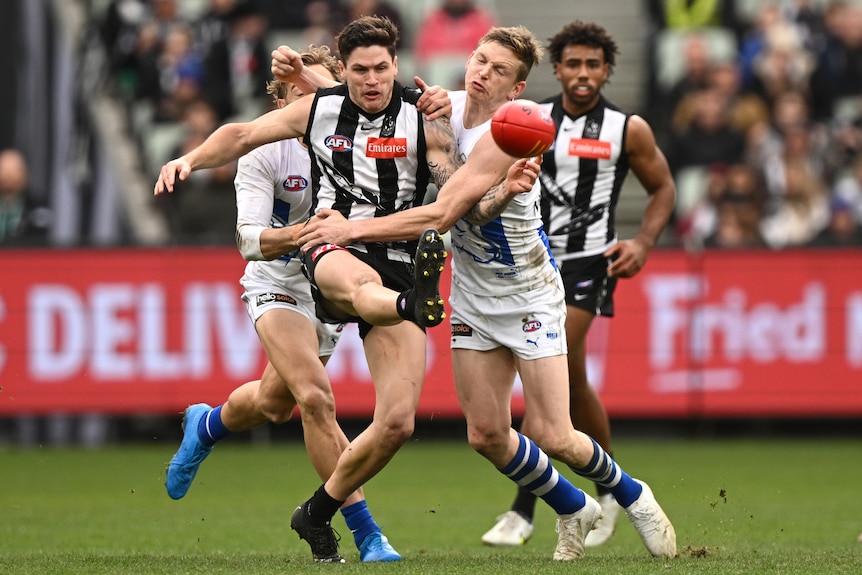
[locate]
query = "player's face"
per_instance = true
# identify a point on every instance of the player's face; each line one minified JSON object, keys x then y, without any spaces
{"x":491,"y":75}
{"x":293,"y":91}
{"x":370,"y":74}
{"x":582,"y":71}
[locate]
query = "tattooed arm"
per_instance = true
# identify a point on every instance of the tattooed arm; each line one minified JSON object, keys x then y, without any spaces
{"x":460,"y":189}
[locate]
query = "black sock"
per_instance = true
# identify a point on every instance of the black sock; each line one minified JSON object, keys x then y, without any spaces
{"x":406,"y":304}
{"x":525,"y":504}
{"x":321,"y":507}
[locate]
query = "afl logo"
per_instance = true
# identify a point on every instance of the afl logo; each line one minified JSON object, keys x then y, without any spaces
{"x":338,"y":143}
{"x":531,"y":326}
{"x":294,"y":184}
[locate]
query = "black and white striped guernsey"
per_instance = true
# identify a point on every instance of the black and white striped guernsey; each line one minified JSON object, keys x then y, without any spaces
{"x":582,"y":176}
{"x":367,"y":166}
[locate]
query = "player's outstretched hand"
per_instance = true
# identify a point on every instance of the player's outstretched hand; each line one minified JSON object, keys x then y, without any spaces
{"x":434,"y":101}
{"x":326,"y":227}
{"x":629,"y":258}
{"x":286,"y":64}
{"x":522,"y":175}
{"x":169,"y":173}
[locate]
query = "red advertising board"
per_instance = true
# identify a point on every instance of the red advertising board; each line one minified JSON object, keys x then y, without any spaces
{"x":150,"y":331}
{"x":129,"y":331}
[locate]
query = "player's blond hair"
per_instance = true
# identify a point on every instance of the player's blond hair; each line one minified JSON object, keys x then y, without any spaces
{"x":521,"y":42}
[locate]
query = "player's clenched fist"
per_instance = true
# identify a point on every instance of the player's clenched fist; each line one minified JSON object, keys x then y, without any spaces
{"x":286,"y":64}
{"x":169,"y":173}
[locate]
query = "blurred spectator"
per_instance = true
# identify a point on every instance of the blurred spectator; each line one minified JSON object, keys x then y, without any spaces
{"x":754,"y":41}
{"x":202,"y":208}
{"x":843,"y":229}
{"x":802,"y":212}
{"x":285,"y":14}
{"x":849,"y":187}
{"x":357,"y":8}
{"x":782,"y":65}
{"x":705,"y":136}
{"x":238,"y":65}
{"x":449,"y":33}
{"x":213,"y":25}
{"x":171,"y":75}
{"x":807,"y":17}
{"x":682,"y":16}
{"x":738,"y":211}
{"x":134,"y":34}
{"x":744,"y":110}
{"x":323,"y":23}
{"x":846,"y":140}
{"x":119,"y":30}
{"x":694,"y":75}
{"x":728,"y":215}
{"x":20,"y":222}
{"x":838,"y":72}
{"x":768,"y":143}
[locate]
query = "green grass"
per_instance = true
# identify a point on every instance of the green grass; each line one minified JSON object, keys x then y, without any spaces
{"x":767,"y":506}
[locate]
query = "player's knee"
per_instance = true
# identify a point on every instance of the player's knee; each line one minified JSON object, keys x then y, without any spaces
{"x":396,"y":429}
{"x":277,"y":411}
{"x":317,"y":403}
{"x":486,"y":441}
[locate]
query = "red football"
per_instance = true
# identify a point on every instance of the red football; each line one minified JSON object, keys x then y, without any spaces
{"x":523,"y":129}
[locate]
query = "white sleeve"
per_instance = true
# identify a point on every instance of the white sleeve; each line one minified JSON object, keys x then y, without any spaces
{"x":254,"y":201}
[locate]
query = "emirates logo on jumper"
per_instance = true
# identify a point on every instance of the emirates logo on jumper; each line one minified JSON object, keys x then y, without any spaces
{"x":386,"y":148}
{"x":593,"y":149}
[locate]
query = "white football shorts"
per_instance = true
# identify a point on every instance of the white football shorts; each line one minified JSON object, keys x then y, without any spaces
{"x":291,"y":293}
{"x":530,"y":324}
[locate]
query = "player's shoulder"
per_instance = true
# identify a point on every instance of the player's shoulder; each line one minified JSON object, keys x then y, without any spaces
{"x":274,"y":154}
{"x":408,"y":95}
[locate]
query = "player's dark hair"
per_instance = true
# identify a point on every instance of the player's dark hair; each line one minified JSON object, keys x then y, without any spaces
{"x":580,"y":33}
{"x":521,"y":42}
{"x":367,"y":31}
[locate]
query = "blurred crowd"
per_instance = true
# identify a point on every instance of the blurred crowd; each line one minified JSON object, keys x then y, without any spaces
{"x":762,"y":123}
{"x":185,"y":75}
{"x":760,"y":117}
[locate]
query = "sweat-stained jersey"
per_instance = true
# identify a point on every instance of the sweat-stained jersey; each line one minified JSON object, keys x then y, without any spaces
{"x":582,"y":176}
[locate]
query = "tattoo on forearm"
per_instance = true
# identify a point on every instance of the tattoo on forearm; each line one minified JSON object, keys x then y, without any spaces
{"x":492,"y":204}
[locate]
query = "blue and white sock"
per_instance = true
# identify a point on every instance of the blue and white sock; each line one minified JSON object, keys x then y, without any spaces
{"x":359,"y":521}
{"x":531,"y":468}
{"x":604,"y":471}
{"x":211,"y":429}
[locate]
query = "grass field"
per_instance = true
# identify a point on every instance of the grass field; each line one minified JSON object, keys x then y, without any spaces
{"x":767,"y":506}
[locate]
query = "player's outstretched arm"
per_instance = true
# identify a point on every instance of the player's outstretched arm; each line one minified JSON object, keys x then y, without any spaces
{"x":460,"y":189}
{"x":520,"y":179}
{"x":231,"y":141}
